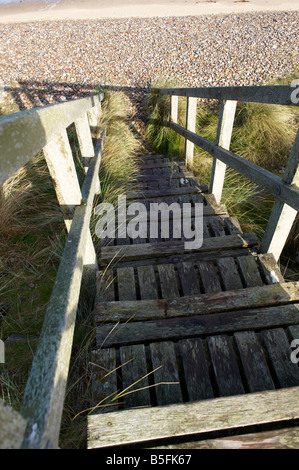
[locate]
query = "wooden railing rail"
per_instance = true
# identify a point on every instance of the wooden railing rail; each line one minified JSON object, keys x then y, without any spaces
{"x":23,"y":135}
{"x":285,"y":189}
{"x":274,"y":94}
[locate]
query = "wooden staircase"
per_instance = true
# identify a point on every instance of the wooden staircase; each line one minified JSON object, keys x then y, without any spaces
{"x":189,"y":342}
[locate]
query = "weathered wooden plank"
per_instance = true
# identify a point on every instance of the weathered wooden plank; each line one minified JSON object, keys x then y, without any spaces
{"x":254,"y":297}
{"x":196,"y":371}
{"x":148,"y":250}
{"x":12,"y":427}
{"x":134,"y":369}
{"x":229,"y":273}
{"x":188,"y":278}
{"x":280,"y":351}
{"x":129,"y":426}
{"x":147,"y":185}
{"x":250,"y":272}
{"x":154,"y":237}
{"x":167,"y":389}
{"x":225,"y":365}
{"x":186,"y":327}
{"x":255,"y":367}
{"x":208,"y":211}
{"x":178,"y":258}
{"x":180,"y":199}
{"x":147,"y":282}
{"x":270,"y":268}
{"x":126,"y":284}
{"x":173,"y":191}
{"x":217,"y":226}
{"x":275,"y":94}
{"x":105,"y":286}
{"x":164,"y":183}
{"x":209,"y":277}
{"x":287,"y":438}
{"x":168,"y":281}
{"x":122,"y":240}
{"x":169,"y":164}
{"x":205,"y":229}
{"x":165,"y":177}
{"x":104,"y":380}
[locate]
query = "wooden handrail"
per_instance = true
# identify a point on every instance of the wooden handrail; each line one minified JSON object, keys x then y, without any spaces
{"x":275,"y":185}
{"x":23,"y":135}
{"x":285,"y":189}
{"x":44,"y":394}
{"x":274,"y":94}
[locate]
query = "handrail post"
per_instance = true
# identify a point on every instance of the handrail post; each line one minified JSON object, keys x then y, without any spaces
{"x":282,"y":215}
{"x":84,"y":139}
{"x":93,"y":118}
{"x":85,"y":142}
{"x":190,"y":126}
{"x":62,"y":169}
{"x":174,"y":104}
{"x":223,"y":138}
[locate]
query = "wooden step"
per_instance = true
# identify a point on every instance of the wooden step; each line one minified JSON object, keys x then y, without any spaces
{"x":208,"y":256}
{"x":167,"y":182}
{"x":168,"y":177}
{"x":208,"y":211}
{"x":190,"y":419}
{"x":254,"y":297}
{"x":148,"y":250}
{"x":191,"y":277}
{"x":187,"y":278}
{"x":167,"y":164}
{"x":147,"y":193}
{"x":199,"y":368}
{"x":154,"y":157}
{"x":176,"y":328}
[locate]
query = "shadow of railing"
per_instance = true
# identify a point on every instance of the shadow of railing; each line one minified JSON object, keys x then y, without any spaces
{"x":28,"y":94}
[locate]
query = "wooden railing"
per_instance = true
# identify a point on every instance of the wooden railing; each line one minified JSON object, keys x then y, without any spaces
{"x":284,"y":189}
{"x":23,"y":135}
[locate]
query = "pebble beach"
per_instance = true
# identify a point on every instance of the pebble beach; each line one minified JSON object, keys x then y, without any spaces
{"x":43,"y":62}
